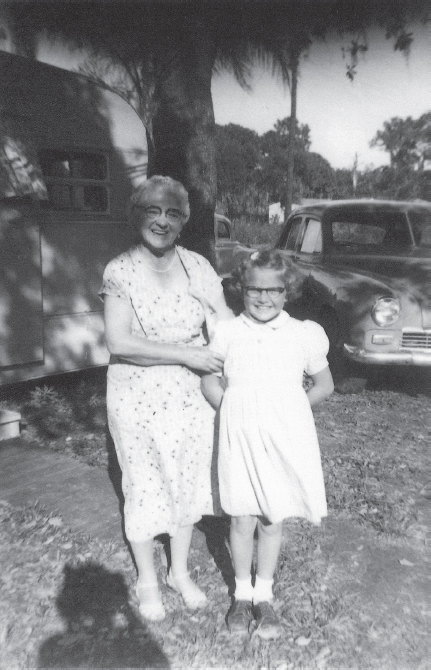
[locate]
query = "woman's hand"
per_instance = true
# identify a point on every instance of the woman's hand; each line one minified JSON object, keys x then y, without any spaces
{"x":127,"y":346}
{"x":203,"y":359}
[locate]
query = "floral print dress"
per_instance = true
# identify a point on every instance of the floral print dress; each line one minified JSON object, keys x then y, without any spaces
{"x":160,"y":422}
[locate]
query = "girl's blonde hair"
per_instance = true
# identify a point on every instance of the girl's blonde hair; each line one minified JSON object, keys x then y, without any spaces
{"x":141,"y":195}
{"x":270,"y":259}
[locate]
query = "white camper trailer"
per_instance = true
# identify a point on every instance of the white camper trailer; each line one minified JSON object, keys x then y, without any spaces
{"x":70,"y":152}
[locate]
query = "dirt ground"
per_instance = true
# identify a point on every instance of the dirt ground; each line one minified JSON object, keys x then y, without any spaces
{"x":351,"y":593}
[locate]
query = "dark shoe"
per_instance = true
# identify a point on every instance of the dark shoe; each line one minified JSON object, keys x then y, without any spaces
{"x":240,"y":616}
{"x":268,"y":625}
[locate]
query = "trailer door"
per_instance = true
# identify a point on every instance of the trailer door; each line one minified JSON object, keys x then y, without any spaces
{"x":21,"y":328}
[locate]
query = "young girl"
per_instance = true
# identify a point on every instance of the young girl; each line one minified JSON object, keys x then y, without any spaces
{"x":269,"y":460}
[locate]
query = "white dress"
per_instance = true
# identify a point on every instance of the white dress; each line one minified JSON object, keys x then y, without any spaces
{"x":162,"y":427}
{"x":269,"y":459}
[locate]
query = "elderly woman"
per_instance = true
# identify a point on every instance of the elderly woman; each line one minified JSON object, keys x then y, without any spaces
{"x":159,"y":298}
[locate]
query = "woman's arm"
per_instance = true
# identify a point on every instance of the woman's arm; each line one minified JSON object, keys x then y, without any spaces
{"x":322,"y":388}
{"x":212,"y":389}
{"x":222,"y":310}
{"x":123,"y":343}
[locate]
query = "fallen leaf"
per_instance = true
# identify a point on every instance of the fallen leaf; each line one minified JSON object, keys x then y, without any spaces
{"x":45,"y":592}
{"x":302,"y":641}
{"x":323,"y":653}
{"x":55,"y":521}
{"x":29,"y":525}
{"x":67,"y":545}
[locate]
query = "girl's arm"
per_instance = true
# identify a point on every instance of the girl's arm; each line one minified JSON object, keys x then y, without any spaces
{"x":323,"y":386}
{"x":123,"y":343}
{"x":212,"y":389}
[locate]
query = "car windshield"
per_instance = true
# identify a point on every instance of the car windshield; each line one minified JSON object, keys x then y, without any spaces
{"x":371,"y":232}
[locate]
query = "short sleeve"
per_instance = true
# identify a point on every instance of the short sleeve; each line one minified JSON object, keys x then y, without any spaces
{"x":114,"y":280}
{"x":220,"y":340}
{"x":316,"y":344}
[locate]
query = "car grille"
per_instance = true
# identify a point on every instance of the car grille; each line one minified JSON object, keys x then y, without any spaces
{"x":419,"y":339}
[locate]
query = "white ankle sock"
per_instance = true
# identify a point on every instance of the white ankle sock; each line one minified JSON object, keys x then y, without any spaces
{"x":262,"y":590}
{"x":243,"y":589}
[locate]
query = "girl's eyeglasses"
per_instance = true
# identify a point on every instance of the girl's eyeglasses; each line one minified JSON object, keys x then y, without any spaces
{"x":255,"y":291}
{"x":152,"y":213}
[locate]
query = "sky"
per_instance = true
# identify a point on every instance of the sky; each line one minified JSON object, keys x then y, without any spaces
{"x":343,"y":116}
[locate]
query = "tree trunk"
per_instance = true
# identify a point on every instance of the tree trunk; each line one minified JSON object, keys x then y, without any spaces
{"x":291,"y":139}
{"x":184,"y":132}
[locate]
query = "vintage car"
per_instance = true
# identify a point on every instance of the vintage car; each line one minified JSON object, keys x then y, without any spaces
{"x":366,"y":269}
{"x":226,"y":247}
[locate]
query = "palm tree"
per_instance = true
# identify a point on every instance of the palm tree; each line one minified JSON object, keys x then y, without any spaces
{"x":170,"y":51}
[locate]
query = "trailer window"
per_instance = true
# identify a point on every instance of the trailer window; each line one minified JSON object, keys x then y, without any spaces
{"x":20,"y":172}
{"x":76,"y":180}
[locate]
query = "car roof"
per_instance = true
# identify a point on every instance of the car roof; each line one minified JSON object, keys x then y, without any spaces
{"x":370,"y":205}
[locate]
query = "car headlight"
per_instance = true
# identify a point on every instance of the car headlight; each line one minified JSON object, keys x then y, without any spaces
{"x":386,"y":311}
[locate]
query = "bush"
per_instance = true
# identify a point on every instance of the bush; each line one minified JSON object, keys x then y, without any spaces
{"x":50,"y":411}
{"x":255,"y":233}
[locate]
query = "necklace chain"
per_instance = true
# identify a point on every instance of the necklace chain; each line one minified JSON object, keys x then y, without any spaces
{"x":150,"y":267}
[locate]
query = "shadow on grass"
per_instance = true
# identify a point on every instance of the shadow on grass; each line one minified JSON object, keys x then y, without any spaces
{"x":410,"y":380}
{"x":356,"y":377}
{"x":115,"y":477}
{"x":216,"y":532}
{"x":102,"y":629}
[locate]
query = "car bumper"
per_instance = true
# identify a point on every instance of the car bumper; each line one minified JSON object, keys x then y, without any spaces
{"x":408,"y":357}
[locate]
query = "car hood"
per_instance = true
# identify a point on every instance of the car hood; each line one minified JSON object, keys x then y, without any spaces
{"x":398,"y":273}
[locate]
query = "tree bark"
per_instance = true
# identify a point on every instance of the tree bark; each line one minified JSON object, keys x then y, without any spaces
{"x":184,"y":132}
{"x":291,"y":139}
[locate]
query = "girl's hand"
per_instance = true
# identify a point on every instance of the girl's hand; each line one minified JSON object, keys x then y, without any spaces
{"x":323,"y":386}
{"x":203,"y":359}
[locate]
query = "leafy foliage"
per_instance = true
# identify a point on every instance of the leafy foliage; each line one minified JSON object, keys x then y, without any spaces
{"x":253,"y":233}
{"x":168,"y":52}
{"x":66,"y":415}
{"x":50,"y":411}
{"x":404,"y":139}
{"x":252,"y":169}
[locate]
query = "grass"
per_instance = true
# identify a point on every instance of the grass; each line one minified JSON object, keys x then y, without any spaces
{"x":350,"y":593}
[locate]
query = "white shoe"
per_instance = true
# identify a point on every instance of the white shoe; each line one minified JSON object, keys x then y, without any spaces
{"x":151,"y":609}
{"x":193,"y":597}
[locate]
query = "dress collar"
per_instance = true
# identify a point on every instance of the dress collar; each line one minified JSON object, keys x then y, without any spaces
{"x":279,"y":321}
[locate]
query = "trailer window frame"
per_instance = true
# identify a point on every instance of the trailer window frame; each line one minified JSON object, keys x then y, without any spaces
{"x":61,"y":169}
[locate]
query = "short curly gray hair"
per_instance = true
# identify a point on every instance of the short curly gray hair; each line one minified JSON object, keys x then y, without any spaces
{"x":270,"y":259}
{"x":142,"y":194}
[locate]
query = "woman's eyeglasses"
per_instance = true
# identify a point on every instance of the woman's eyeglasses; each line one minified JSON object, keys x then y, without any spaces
{"x":152,"y":213}
{"x":256,"y":292}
